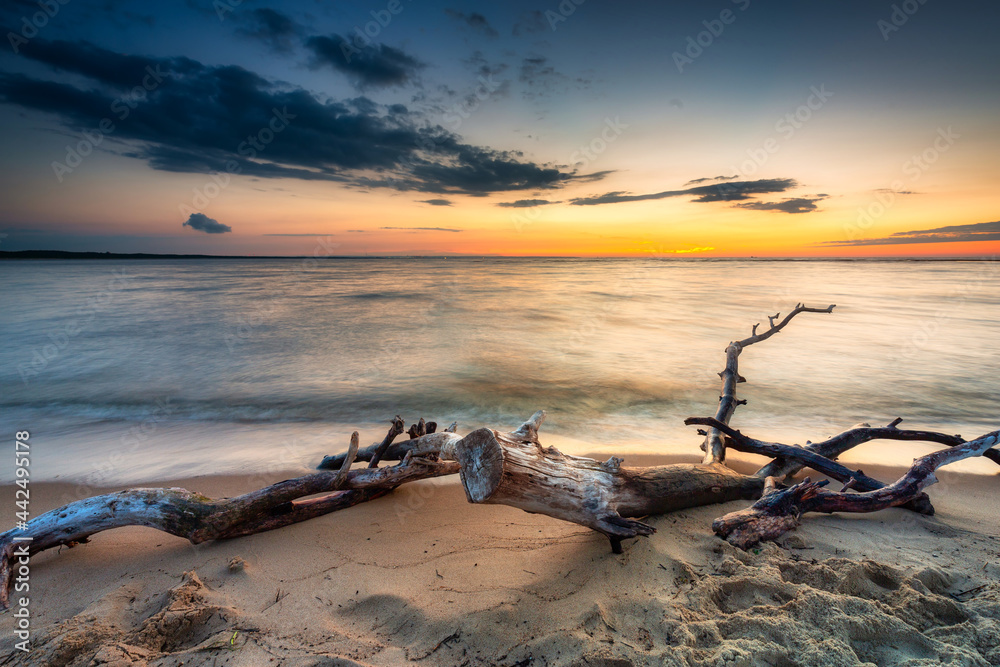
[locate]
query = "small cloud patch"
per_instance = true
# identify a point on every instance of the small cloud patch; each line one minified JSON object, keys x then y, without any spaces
{"x":202,"y":223}
{"x":423,"y":229}
{"x":526,"y":203}
{"x":792,"y":205}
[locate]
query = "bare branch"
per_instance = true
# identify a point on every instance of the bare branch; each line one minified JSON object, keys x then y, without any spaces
{"x":776,"y":513}
{"x":345,"y":469}
{"x":395,"y":429}
{"x":529,"y":429}
{"x":852,"y":478}
{"x":842,"y":442}
{"x":714,"y":446}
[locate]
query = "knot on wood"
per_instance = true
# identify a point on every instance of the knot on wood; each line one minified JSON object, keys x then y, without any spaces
{"x":613,"y":464}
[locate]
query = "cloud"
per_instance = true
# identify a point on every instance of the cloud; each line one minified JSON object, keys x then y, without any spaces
{"x":436,"y":202}
{"x":370,"y":66}
{"x":526,"y":203}
{"x":483,"y":67}
{"x":203,"y":223}
{"x":898,"y":192}
{"x":735,"y":191}
{"x":356,"y":141}
{"x":709,"y":180}
{"x":475,"y":21}
{"x":271,"y":27}
{"x":795,"y":205}
{"x":536,"y":71}
{"x":980,"y":231}
{"x":119,"y":71}
{"x":530,"y":22}
{"x":424,"y":229}
{"x":473,"y":170}
{"x":541,"y":80}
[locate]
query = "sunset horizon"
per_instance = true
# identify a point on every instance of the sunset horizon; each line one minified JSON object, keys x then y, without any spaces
{"x":515,"y":130}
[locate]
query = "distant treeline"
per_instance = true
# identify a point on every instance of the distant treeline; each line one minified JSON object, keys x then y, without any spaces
{"x":63,"y":254}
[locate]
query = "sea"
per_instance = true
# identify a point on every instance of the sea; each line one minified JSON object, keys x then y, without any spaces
{"x":137,"y":371}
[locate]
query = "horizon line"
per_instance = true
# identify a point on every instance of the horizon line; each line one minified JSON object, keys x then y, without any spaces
{"x":97,"y":255}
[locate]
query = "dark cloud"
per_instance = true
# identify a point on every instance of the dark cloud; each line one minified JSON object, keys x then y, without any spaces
{"x":203,"y":223}
{"x":205,"y":119}
{"x":735,"y":191}
{"x":436,"y":202}
{"x":709,"y":180}
{"x":274,"y":29}
{"x":530,"y":22}
{"x":475,"y":21}
{"x":795,"y":205}
{"x":368,"y":66}
{"x":119,"y":71}
{"x":980,"y":231}
{"x":484,"y":67}
{"x":526,"y":203}
{"x":424,"y":229}
{"x":475,"y":170}
{"x":536,"y":70}
{"x":541,"y":80}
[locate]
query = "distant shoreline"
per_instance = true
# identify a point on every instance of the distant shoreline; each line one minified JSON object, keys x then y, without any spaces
{"x":65,"y":254}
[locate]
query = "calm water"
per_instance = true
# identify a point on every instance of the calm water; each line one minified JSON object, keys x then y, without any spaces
{"x":128,"y":371}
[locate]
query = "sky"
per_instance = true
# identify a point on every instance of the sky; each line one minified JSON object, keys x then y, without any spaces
{"x":691,"y":129}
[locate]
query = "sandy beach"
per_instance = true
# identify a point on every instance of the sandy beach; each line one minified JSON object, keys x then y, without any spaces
{"x":421,"y":576}
{"x":593,"y":262}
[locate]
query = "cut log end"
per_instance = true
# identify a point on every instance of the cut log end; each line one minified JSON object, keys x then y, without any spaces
{"x":481,"y":460}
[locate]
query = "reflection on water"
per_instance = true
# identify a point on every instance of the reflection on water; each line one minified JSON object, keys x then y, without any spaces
{"x":228,"y":357}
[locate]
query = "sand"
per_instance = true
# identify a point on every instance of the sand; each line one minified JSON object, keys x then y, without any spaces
{"x":423,"y":577}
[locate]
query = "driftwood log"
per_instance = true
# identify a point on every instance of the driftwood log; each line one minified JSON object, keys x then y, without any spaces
{"x":513,"y":468}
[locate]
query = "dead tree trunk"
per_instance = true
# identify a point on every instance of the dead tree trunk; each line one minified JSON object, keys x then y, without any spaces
{"x":514,"y":469}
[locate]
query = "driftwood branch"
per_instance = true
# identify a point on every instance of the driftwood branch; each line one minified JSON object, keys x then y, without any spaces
{"x":394,"y":430}
{"x":200,"y":519}
{"x":714,"y":446}
{"x":854,"y":479}
{"x":862,"y":433}
{"x":431,"y":443}
{"x":779,"y":510}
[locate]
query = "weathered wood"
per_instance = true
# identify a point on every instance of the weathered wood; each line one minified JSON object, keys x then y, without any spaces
{"x":200,"y":518}
{"x":859,"y":434}
{"x":714,"y":446}
{"x":515,"y":469}
{"x":431,"y":443}
{"x":778,"y":511}
{"x":395,"y":429}
{"x":855,"y":479}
